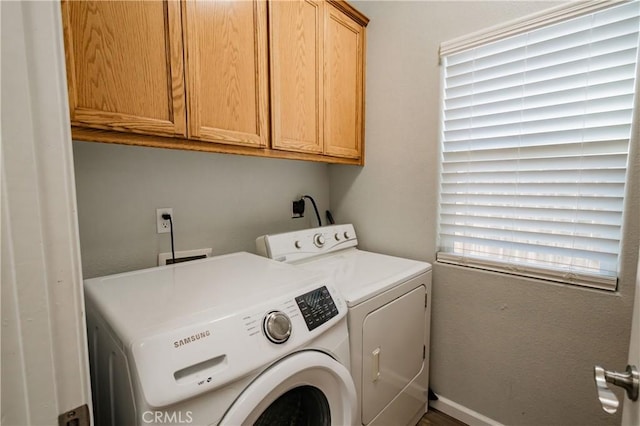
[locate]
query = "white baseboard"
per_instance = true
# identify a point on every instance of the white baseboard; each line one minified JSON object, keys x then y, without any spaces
{"x":462,"y":413}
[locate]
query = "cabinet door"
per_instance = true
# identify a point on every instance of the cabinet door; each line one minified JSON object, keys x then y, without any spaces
{"x":296,"y":36}
{"x":344,"y":85}
{"x":226,"y":70}
{"x":125,"y":66}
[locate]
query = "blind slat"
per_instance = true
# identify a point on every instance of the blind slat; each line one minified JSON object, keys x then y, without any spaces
{"x":510,"y":201}
{"x":532,"y":242}
{"x":537,"y":213}
{"x":555,"y":228}
{"x":586,"y":134}
{"x":532,"y":125}
{"x":538,"y":148}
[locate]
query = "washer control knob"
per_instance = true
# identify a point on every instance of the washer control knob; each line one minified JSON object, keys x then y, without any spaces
{"x":337,"y":236}
{"x":277,"y":327}
{"x":346,"y":235}
{"x":298,"y":244}
{"x":318,"y":240}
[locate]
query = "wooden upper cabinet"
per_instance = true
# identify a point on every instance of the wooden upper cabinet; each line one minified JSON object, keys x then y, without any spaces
{"x":317,"y":77}
{"x":125,"y":66}
{"x":214,"y":75}
{"x":296,"y":41}
{"x":343,"y":85}
{"x":226,"y":71}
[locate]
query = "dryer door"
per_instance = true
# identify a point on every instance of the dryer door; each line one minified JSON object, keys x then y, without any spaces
{"x":393,"y":339}
{"x":308,"y":387}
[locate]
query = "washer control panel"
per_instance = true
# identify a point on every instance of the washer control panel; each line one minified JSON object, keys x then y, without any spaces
{"x":212,"y":351}
{"x":317,"y":307}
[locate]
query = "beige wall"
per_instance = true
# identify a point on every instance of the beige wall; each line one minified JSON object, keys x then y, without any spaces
{"x":219,"y":201}
{"x":515,"y":350}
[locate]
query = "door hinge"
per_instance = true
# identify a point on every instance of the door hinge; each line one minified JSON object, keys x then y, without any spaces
{"x":76,"y":417}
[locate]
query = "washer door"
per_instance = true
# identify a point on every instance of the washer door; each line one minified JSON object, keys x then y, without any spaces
{"x":308,"y":387}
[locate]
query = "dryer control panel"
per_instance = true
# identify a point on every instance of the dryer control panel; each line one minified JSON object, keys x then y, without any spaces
{"x":299,"y":245}
{"x":317,"y":307}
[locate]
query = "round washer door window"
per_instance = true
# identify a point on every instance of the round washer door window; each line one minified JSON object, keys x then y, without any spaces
{"x":302,"y":405}
{"x":305,"y":388}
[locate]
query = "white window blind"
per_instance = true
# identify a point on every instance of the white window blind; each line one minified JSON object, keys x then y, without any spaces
{"x":536,"y":131}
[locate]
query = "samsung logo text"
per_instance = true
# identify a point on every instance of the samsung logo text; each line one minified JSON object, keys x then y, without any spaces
{"x":191,"y":339}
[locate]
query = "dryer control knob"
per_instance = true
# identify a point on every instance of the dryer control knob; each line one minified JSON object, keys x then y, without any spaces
{"x":318,"y":240}
{"x":277,"y":327}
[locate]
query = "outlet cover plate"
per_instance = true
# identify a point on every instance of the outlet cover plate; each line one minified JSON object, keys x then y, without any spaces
{"x":163,"y":226}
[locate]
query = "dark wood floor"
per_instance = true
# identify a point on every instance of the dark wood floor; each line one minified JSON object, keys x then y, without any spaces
{"x":437,"y":418}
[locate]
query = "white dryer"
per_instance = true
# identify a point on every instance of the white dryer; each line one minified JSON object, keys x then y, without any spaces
{"x":230,"y":340}
{"x":389,"y":300}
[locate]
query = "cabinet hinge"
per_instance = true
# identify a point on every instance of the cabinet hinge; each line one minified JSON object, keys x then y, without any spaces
{"x":76,"y":417}
{"x":426,"y":299}
{"x":424,"y":351}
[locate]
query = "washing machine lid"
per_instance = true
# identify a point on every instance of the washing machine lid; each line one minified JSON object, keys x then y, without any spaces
{"x":360,"y":275}
{"x":138,"y":302}
{"x":306,"y":368}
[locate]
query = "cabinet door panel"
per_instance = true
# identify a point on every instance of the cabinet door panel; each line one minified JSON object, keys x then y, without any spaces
{"x":296,"y":74}
{"x":125,"y":66}
{"x":344,"y":89}
{"x":226,"y":70}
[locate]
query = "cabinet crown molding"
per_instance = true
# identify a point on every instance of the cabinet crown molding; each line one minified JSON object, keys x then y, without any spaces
{"x":350,"y":11}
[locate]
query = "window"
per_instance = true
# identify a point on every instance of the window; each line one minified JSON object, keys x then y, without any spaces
{"x":535,"y":136}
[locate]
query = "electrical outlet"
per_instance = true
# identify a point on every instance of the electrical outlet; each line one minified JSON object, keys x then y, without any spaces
{"x":162,"y":225}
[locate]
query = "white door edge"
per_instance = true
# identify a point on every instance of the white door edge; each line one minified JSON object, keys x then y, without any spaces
{"x":631,"y":409}
{"x":44,"y":355}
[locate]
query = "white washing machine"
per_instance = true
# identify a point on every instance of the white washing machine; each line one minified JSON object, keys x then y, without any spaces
{"x":229,"y":340}
{"x":389,"y":301}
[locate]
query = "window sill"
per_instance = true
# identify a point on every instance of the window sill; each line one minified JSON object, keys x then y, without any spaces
{"x":527,"y":271}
